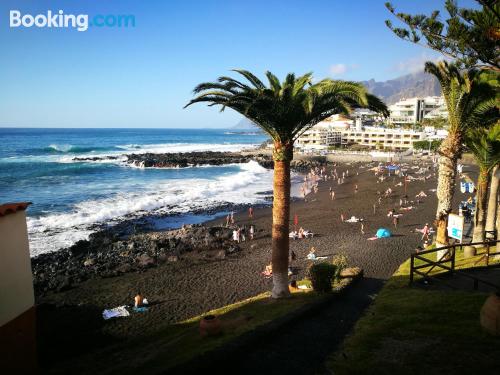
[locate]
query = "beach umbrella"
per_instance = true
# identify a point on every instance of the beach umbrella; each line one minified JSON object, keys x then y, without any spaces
{"x":383,"y":233}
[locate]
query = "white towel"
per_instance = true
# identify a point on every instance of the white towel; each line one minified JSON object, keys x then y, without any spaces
{"x":115,"y":312}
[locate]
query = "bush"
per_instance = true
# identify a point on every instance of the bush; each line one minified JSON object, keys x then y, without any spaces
{"x":321,"y":276}
{"x":340,"y":261}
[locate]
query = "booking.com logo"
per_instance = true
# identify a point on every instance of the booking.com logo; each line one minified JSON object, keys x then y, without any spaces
{"x":79,"y":22}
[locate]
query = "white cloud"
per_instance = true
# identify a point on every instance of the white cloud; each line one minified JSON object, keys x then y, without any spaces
{"x":338,"y":69}
{"x":414,"y":64}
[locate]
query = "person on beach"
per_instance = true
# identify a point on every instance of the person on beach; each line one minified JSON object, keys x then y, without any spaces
{"x":312,"y":254}
{"x":251,"y":232}
{"x":374,"y":208}
{"x":425,"y":232}
{"x":301,"y":233}
{"x":268,"y":270}
{"x":250,"y":213}
{"x":362,"y":228}
{"x":242,"y":234}
{"x":355,"y":188}
{"x":342,"y":217}
{"x":228,"y":220}
{"x":236,"y":235}
{"x":232,"y":217}
{"x":395,"y":221}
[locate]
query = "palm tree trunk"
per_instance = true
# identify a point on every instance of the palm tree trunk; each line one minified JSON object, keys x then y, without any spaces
{"x":492,"y":202}
{"x":481,"y":201}
{"x":281,"y":217}
{"x":449,"y":152}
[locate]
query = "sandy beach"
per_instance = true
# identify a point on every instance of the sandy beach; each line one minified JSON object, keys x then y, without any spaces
{"x":194,"y":285}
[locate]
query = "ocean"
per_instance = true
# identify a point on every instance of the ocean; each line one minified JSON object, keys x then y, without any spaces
{"x":71,"y":199}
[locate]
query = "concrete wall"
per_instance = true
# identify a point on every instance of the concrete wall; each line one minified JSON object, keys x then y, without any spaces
{"x":16,"y":281}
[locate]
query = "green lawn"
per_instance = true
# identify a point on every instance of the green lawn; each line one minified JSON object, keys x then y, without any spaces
{"x":181,"y":342}
{"x":413,"y":331}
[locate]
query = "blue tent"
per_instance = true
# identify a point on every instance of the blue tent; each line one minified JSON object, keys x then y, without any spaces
{"x":383,"y":233}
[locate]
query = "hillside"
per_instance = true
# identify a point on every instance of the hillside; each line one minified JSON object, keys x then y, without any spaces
{"x":407,"y":86}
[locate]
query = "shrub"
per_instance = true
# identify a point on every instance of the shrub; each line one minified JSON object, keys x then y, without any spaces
{"x":340,"y":261}
{"x":321,"y":276}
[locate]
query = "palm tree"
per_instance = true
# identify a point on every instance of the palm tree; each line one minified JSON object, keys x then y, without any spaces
{"x":284,"y":110}
{"x":493,"y":205}
{"x":470,"y":103}
{"x":485,"y":146}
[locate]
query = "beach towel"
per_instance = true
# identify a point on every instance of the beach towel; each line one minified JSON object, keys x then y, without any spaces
{"x":115,"y":312}
{"x":140,"y":309}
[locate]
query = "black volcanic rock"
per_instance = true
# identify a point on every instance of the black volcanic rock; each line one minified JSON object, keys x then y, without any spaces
{"x":185,"y":159}
{"x":104,"y":256}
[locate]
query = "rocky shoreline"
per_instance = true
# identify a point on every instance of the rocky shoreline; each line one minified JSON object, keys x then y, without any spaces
{"x":193,"y":159}
{"x":105,"y":254}
{"x":133,"y":245}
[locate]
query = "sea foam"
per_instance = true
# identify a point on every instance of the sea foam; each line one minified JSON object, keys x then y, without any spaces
{"x":54,"y":231}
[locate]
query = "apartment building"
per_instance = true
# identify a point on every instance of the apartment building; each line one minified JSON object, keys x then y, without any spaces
{"x":410,"y":111}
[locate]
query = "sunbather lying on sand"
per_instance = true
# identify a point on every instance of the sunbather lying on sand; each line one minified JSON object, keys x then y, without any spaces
{"x":312,"y":255}
{"x":354,"y":219}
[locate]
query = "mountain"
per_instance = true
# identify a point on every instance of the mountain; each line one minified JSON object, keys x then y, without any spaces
{"x":407,"y":86}
{"x":245,"y":125}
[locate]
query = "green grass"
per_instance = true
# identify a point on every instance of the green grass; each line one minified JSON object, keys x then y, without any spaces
{"x":413,"y":331}
{"x":182,"y":342}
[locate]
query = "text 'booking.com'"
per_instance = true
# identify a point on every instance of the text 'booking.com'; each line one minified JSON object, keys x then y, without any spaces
{"x":59,"y":20}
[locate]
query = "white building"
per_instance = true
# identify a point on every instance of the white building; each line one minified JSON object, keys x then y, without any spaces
{"x":17,"y":300}
{"x":339,"y":130}
{"x":410,"y":111}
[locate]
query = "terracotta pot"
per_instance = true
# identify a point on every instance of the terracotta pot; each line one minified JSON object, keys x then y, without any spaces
{"x":210,"y":326}
{"x":490,"y":314}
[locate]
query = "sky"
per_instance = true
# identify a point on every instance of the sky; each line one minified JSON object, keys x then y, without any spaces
{"x":142,"y":76}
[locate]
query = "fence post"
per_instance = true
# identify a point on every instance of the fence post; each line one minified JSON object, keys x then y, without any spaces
{"x":411,"y":269}
{"x":488,"y":254}
{"x":453,"y":259}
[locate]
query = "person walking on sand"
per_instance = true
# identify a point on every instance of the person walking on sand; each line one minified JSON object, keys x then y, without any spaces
{"x":342,"y":217}
{"x":425,"y":232}
{"x":362,"y":228}
{"x":355,"y":188}
{"x":251,"y":232}
{"x":333,"y":195}
{"x":250,"y":212}
{"x":395,"y":221}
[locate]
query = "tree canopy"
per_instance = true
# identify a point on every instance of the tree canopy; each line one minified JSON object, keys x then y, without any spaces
{"x":469,"y":35}
{"x":286,"y":109}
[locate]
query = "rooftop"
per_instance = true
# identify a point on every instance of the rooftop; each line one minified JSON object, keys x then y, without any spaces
{"x":11,"y":208}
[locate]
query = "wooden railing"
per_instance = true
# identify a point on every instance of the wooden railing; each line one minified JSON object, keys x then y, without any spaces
{"x":447,"y":263}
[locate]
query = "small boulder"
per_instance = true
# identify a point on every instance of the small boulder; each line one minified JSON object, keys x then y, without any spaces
{"x":145,"y":260}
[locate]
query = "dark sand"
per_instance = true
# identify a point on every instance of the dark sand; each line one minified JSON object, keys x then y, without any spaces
{"x":192,"y":286}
